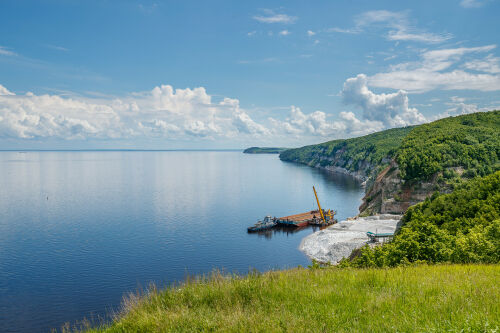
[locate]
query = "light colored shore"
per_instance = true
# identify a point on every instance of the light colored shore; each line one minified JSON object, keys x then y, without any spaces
{"x":339,"y":240}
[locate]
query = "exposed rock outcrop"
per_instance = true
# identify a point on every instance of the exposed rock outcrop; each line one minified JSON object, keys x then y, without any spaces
{"x":389,"y":194}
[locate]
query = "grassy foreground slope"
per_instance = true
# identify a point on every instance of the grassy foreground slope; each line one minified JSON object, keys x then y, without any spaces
{"x":447,"y":298}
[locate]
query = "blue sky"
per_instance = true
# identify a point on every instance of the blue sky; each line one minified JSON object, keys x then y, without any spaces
{"x":226,"y":74}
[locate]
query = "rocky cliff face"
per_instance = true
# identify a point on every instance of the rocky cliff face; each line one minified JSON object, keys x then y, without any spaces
{"x":339,"y":163}
{"x":389,"y":194}
{"x":386,"y":192}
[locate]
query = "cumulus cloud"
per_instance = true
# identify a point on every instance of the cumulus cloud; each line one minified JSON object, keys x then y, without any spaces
{"x":4,"y":91}
{"x":458,"y":107}
{"x":183,"y":114}
{"x":270,"y":16}
{"x":162,"y":112}
{"x":299,"y":125}
{"x":390,"y":109}
{"x":284,"y":33}
{"x":437,"y":69}
{"x":397,"y":24}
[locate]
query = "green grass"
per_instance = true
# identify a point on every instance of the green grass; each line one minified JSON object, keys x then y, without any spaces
{"x":442,"y":298}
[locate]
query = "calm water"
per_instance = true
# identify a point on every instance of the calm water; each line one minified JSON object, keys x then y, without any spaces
{"x":80,"y":229}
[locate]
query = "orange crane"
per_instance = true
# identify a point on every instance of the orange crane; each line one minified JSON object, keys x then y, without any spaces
{"x":319,"y":206}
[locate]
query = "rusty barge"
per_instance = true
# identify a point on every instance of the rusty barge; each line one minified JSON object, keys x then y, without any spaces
{"x":318,"y":217}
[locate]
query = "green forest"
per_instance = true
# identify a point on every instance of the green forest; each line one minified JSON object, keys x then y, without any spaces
{"x":373,"y":149}
{"x":471,"y":142}
{"x":460,"y":227}
{"x":264,"y":150}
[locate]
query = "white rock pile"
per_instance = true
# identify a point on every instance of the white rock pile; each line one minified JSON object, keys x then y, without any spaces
{"x":339,"y":240}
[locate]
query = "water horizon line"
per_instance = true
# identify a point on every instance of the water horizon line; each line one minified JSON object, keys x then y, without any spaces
{"x":117,"y":150}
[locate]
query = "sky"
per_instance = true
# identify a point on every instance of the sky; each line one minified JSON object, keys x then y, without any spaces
{"x":137,"y":74}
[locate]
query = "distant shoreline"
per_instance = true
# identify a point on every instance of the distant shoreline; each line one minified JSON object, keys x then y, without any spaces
{"x":264,"y":150}
{"x":112,"y":150}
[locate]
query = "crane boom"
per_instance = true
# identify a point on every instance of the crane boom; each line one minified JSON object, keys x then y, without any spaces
{"x":319,"y":206}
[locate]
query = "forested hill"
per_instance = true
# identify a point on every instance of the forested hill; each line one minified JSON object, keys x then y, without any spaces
{"x":404,"y":166}
{"x":470,"y":142}
{"x":264,"y":150}
{"x":361,"y":157}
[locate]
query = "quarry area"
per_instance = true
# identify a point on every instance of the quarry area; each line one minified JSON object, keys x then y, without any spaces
{"x":339,"y":240}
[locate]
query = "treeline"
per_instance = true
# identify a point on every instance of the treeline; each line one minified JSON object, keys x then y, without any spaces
{"x":351,"y":154}
{"x":461,"y":227}
{"x":264,"y":150}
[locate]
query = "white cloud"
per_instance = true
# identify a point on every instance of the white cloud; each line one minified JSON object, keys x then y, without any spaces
{"x":56,"y":47}
{"x":462,"y":108}
{"x":344,"y":31}
{"x":424,"y":37}
{"x":284,"y":33}
{"x":299,"y":124}
{"x":161,"y":112}
{"x":357,"y":127}
{"x":251,"y":33}
{"x":458,"y":107}
{"x":271,"y":17}
{"x":471,"y":3}
{"x":245,"y":124}
{"x":390,"y":109}
{"x":490,"y":64}
{"x":457,"y":99}
{"x":148,"y":9}
{"x":443,"y":56}
{"x":435,"y":70}
{"x":398,"y":24}
{"x":310,"y":33}
{"x":4,"y":91}
{"x":316,"y":124}
{"x":6,"y":52}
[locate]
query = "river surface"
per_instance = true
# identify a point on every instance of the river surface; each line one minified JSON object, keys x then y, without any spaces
{"x":78,"y":230}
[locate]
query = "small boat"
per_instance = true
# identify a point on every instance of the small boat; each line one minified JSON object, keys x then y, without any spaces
{"x":267,"y":223}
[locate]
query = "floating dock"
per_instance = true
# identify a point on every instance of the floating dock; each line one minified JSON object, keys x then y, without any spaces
{"x":300,"y":220}
{"x":318,"y":217}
